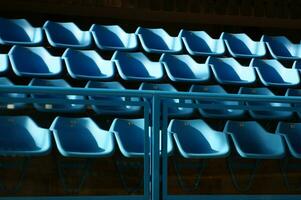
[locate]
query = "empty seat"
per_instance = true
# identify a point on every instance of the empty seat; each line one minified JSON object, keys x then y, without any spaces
{"x":137,"y":67}
{"x":295,"y":93}
{"x":264,"y":114}
{"x":251,"y":140}
{"x":21,"y":136}
{"x":67,"y":35}
{"x":130,"y":135}
{"x":111,"y":108}
{"x":195,"y":139}
{"x":282,"y":48}
{"x":272,"y":73}
{"x":172,"y":110}
{"x":157,"y":40}
{"x":34,"y":62}
{"x":88,"y":64}
{"x":183,"y":68}
{"x":81,"y":137}
{"x":292,"y":135}
{"x":50,"y":107}
{"x":216,"y":113}
{"x":19,"y":31}
{"x":200,"y":43}
{"x":4,"y":63}
{"x":113,"y":37}
{"x":229,"y":71}
{"x":8,"y":105}
{"x":241,"y":45}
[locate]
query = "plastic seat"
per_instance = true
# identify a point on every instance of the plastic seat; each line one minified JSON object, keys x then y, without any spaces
{"x":216,"y":113}
{"x":137,"y":67}
{"x":67,"y":35}
{"x":282,"y":48}
{"x":295,"y":93}
{"x":130,"y":133}
{"x":229,"y":71}
{"x":35,"y":62}
{"x":172,"y":111}
{"x":263,"y":114}
{"x":81,"y":137}
{"x":19,"y":31}
{"x":20,"y":136}
{"x":112,"y":109}
{"x":49,"y":107}
{"x":183,"y":68}
{"x":195,"y":139}
{"x":292,"y":134}
{"x":253,"y":141}
{"x":113,"y":37}
{"x":88,"y":64}
{"x":272,"y":73}
{"x":199,"y":43}
{"x":241,"y":45}
{"x":157,"y":40}
{"x":6,"y":82}
{"x":4,"y":63}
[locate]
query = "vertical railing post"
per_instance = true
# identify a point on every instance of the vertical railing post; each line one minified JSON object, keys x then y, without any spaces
{"x":147,"y":167}
{"x":164,"y":154}
{"x":155,"y":146}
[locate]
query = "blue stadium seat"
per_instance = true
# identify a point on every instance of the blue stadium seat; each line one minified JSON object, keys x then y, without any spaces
{"x":19,"y":31}
{"x":130,"y":134}
{"x":6,"y":82}
{"x":199,"y":43}
{"x":292,"y":135}
{"x":4,"y":63}
{"x":35,"y":62}
{"x":172,"y":111}
{"x":157,"y":40}
{"x":295,"y":93}
{"x":88,"y":64}
{"x":113,"y":37}
{"x":195,"y":139}
{"x":49,"y":107}
{"x":137,"y":67}
{"x":251,"y":140}
{"x":183,"y":68}
{"x":20,"y":136}
{"x":282,"y":48}
{"x":115,"y":110}
{"x":216,"y":113}
{"x":262,"y":114}
{"x":229,"y":71}
{"x":272,"y":73}
{"x":67,"y":35}
{"x":81,"y":137}
{"x":241,"y":45}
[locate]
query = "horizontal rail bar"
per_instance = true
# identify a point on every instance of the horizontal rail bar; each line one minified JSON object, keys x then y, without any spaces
{"x":71,"y":101}
{"x":74,"y":91}
{"x":148,"y":93}
{"x":233,"y":197}
{"x":124,"y":197}
{"x":234,"y":107}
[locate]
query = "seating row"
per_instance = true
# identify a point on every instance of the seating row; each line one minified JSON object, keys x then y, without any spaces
{"x":81,"y":137}
{"x":153,"y":40}
{"x":134,"y":110}
{"x":89,"y":65}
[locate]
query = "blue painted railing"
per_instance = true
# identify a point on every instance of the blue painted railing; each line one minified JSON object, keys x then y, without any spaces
{"x":158,"y":110}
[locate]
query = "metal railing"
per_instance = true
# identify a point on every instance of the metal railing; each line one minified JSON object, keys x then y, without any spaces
{"x":158,"y":120}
